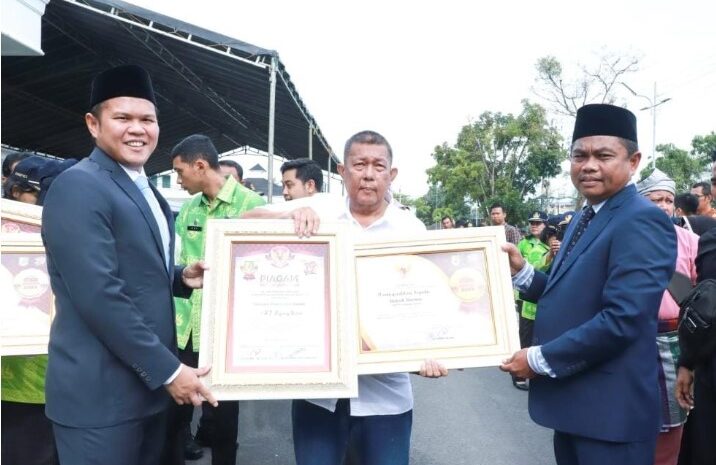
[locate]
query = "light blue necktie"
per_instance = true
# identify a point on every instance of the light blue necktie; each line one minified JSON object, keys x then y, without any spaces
{"x":143,"y":184}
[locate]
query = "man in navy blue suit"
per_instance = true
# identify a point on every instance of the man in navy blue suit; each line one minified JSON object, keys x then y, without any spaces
{"x":593,"y":363}
{"x":109,"y":241}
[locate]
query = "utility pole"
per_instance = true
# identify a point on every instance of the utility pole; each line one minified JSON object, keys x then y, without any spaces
{"x":652,"y":106}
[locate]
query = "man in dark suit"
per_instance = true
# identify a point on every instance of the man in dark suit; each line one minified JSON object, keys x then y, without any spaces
{"x":593,"y":363}
{"x":109,"y":241}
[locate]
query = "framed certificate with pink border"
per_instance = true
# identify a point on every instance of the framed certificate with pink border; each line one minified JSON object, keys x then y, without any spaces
{"x":277,"y":317}
{"x":19,"y":217}
{"x":28,"y":303}
{"x":445,"y":295}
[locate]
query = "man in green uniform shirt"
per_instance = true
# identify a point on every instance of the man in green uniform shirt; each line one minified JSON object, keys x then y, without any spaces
{"x":534,"y":251}
{"x":197,"y":165}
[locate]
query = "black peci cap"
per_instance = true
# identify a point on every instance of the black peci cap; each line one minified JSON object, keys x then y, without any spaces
{"x":122,"y":81}
{"x":600,"y":119}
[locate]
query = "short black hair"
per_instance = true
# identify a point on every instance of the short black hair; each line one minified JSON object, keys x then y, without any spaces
{"x":448,"y":217}
{"x":705,"y":187}
{"x":688,"y":203}
{"x":195,"y":147}
{"x":10,"y":159}
{"x":305,"y":169}
{"x":630,"y":146}
{"x":497,"y":205}
{"x":234,"y":165}
{"x":10,"y":184}
{"x":370,"y":138}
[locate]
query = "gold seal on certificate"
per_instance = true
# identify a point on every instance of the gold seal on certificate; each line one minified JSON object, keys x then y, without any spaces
{"x":468,"y":284}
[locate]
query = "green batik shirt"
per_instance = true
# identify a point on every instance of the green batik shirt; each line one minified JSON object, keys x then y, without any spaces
{"x":23,"y":378}
{"x":233,"y":200}
{"x":535,"y":253}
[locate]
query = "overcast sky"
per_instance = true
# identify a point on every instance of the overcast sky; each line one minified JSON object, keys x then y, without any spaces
{"x":418,"y":71}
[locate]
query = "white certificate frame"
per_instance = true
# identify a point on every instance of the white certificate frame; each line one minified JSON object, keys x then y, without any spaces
{"x":499,"y":288}
{"x":19,"y":217}
{"x":22,"y":336}
{"x":340,"y":380}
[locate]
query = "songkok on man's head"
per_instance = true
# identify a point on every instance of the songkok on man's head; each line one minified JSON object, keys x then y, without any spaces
{"x":600,"y":119}
{"x":122,"y":81}
{"x":656,"y":181}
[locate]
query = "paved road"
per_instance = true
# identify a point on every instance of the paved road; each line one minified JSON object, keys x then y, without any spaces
{"x":473,"y":417}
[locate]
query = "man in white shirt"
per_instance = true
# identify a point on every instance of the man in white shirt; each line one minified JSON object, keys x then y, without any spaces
{"x":382,"y":413}
{"x":301,"y":178}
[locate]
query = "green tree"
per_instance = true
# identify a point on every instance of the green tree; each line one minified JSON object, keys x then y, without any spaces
{"x":499,"y":157}
{"x":704,"y":147}
{"x":424,"y":210}
{"x":685,"y":168}
{"x":432,"y":207}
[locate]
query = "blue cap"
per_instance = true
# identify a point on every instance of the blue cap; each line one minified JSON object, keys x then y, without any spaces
{"x":37,"y":173}
{"x":567,"y":217}
{"x":538,"y":216}
{"x":554,"y":220}
{"x":27,"y":172}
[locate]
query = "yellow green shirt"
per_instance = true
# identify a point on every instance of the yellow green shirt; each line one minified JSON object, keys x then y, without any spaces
{"x":23,"y":378}
{"x":233,"y":200}
{"x":535,"y":252}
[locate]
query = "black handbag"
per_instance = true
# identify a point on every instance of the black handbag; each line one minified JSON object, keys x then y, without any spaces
{"x":697,"y":316}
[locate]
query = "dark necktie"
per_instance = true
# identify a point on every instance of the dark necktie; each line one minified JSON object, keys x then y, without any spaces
{"x":584,"y":220}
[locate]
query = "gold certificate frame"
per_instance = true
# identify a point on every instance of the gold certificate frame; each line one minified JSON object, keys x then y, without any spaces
{"x":28,"y":303}
{"x":445,"y":295}
{"x":277,"y":320}
{"x":19,"y":217}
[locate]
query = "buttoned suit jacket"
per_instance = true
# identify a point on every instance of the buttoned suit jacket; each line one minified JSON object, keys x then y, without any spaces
{"x":597,"y":321}
{"x":113,"y":339}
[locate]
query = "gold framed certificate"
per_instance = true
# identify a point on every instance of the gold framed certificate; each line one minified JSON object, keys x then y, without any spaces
{"x":445,"y":295}
{"x":277,"y":321}
{"x":19,"y":217}
{"x":28,"y":303}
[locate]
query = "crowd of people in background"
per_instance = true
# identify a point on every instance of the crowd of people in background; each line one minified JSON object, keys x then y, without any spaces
{"x":617,"y":288}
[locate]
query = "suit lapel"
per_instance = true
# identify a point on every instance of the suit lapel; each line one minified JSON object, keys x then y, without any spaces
{"x":595,"y":227}
{"x":120,"y":177}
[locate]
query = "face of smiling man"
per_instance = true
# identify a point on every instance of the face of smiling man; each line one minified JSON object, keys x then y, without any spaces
{"x":126,"y":129}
